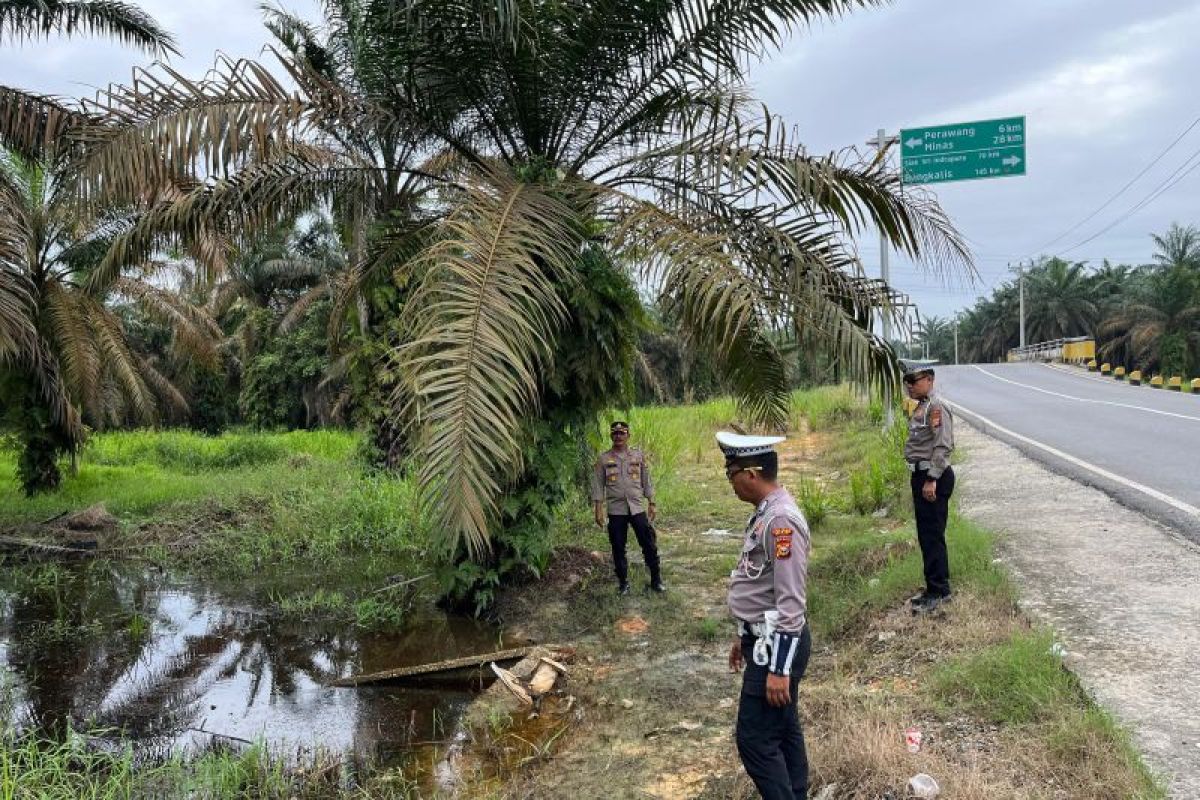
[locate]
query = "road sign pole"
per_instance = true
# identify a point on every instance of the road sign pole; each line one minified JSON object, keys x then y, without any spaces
{"x":880,"y":143}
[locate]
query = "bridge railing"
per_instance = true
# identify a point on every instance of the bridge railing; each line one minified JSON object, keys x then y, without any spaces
{"x":1076,"y":350}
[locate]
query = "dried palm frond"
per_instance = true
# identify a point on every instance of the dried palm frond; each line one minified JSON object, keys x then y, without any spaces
{"x":485,"y":320}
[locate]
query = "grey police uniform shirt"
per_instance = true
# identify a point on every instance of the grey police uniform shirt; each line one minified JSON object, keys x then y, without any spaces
{"x":772,"y":572}
{"x":621,"y":480}
{"x":930,"y":436}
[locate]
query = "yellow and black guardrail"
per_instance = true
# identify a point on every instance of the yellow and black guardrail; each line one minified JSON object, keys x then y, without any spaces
{"x":1081,"y":351}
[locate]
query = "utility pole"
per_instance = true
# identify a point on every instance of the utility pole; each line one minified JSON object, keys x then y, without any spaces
{"x":881,"y":143}
{"x":955,"y":341}
{"x":1021,"y":282}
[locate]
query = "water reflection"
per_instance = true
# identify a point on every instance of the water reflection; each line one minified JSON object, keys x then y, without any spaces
{"x":172,"y":663}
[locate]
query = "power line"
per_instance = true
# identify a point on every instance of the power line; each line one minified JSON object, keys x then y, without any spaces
{"x":1120,"y":191}
{"x":1171,"y":180}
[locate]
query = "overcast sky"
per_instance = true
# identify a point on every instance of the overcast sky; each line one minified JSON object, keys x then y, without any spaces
{"x":1105,"y":86}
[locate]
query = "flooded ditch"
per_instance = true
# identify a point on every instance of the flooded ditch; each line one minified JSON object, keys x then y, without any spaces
{"x":174,"y":664}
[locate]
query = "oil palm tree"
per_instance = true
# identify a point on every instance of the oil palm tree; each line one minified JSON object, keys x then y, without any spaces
{"x":1178,"y":247}
{"x":991,"y":328}
{"x":1060,"y":300}
{"x":935,"y":339}
{"x":1161,"y":331}
{"x":280,"y":275}
{"x":501,"y":158}
{"x":64,"y":359}
{"x":32,"y":127}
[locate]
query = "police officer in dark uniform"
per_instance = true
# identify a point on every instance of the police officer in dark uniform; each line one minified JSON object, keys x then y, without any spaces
{"x":767,"y":597}
{"x":623,"y":490}
{"x":927,"y":452}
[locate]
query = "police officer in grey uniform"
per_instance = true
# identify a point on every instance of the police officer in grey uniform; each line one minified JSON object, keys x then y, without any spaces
{"x":927,"y":451}
{"x":768,"y":601}
{"x":623,"y":490}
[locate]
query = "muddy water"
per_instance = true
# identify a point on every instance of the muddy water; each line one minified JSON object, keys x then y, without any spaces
{"x":172,"y":663}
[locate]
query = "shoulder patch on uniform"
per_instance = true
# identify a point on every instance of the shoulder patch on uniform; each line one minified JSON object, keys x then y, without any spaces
{"x":935,"y":417}
{"x":783,"y":543}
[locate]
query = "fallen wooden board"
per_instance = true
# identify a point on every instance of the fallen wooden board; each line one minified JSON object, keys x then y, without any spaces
{"x":10,"y":544}
{"x":423,"y":670}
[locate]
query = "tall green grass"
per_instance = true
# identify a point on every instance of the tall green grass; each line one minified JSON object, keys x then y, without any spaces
{"x":240,"y":501}
{"x":828,"y":407}
{"x":1016,"y":682}
{"x":188,"y":451}
{"x":857,"y":571}
{"x":37,"y":769}
{"x":135,"y":473}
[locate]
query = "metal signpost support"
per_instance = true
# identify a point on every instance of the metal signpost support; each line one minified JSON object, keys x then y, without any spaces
{"x":881,"y":143}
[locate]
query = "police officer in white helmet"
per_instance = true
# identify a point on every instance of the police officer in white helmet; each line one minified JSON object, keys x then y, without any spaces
{"x":767,"y":599}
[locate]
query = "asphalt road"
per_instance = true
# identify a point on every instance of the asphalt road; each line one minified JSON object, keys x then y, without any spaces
{"x":1138,"y":444}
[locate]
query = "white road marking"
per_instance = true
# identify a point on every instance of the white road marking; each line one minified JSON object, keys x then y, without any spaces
{"x":1154,"y":493}
{"x":1088,"y":399}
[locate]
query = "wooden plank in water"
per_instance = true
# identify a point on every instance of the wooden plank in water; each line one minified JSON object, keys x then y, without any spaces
{"x":421,"y":670}
{"x":31,"y":549}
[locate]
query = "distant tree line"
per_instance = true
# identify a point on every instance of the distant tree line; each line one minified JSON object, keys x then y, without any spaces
{"x":1143,"y":317}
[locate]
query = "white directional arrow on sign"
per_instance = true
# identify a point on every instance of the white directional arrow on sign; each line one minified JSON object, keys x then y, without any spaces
{"x":914,"y":142}
{"x":1011,"y":161}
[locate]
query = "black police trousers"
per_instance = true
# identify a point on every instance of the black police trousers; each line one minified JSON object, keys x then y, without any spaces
{"x":931,"y":530}
{"x":618,"y":533}
{"x":769,"y":738}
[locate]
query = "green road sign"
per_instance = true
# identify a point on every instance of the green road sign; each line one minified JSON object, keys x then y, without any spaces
{"x":993,"y":148}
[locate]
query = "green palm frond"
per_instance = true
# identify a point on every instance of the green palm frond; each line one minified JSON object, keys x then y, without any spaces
{"x":719,"y":306}
{"x":485,"y":318}
{"x":164,"y":390}
{"x":127,"y":388}
{"x":726,"y":154}
{"x":395,"y":245}
{"x":789,"y":274}
{"x":301,"y":306}
{"x":125,"y":22}
{"x":256,"y":199}
{"x":194,"y":331}
{"x":67,"y":317}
